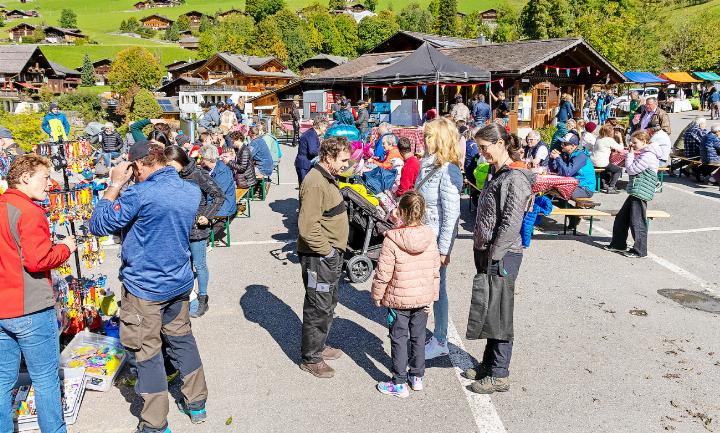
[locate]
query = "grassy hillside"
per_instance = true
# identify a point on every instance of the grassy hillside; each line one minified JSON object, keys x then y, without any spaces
{"x":99,"y":18}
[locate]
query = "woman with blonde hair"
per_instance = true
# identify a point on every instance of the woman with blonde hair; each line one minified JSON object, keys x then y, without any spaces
{"x":440,"y":182}
{"x":566,"y":110}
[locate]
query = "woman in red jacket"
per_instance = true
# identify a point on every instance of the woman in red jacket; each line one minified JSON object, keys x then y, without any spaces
{"x":28,"y":322}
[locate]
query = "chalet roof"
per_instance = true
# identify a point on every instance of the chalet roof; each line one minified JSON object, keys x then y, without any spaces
{"x":193,"y":12}
{"x":185,"y":66}
{"x":230,"y":12}
{"x":338,"y":60}
{"x":17,"y":12}
{"x":64,"y":31}
{"x":13,"y":58}
{"x":178,"y":82}
{"x":511,"y":58}
{"x":22,"y":25}
{"x":97,"y":63}
{"x":441,"y":41}
{"x":189,"y":40}
{"x":241,"y":65}
{"x":161,"y":17}
{"x":287,"y":86}
{"x":62,"y":70}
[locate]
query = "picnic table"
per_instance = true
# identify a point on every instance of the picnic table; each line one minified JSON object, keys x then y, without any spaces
{"x":287,"y":126}
{"x":562,"y":184}
{"x":415,"y":135}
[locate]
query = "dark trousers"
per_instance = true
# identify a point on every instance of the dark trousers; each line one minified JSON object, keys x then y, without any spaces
{"x":497,"y":357}
{"x":320,"y":278}
{"x":410,"y":323}
{"x":631,"y":216}
{"x":611,"y":175}
{"x":296,"y":133}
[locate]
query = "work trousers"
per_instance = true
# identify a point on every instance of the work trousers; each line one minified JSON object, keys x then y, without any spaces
{"x":296,"y":133}
{"x":611,"y":175}
{"x":144,"y":325}
{"x":320,"y":277}
{"x":408,"y":324}
{"x":632,"y":216}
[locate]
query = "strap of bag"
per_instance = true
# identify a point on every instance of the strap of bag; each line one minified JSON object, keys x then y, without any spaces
{"x":427,"y":177}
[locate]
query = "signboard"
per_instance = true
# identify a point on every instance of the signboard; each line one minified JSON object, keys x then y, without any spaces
{"x":313,"y":107}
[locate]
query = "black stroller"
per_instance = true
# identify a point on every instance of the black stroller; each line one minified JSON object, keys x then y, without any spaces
{"x":367,"y":229}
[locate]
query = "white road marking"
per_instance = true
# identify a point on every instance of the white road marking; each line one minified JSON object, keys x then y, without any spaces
{"x":693,"y":193}
{"x":672,"y":267}
{"x":677,"y":232}
{"x":486,"y":417}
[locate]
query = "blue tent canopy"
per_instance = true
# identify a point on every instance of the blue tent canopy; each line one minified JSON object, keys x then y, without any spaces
{"x":643,"y":77}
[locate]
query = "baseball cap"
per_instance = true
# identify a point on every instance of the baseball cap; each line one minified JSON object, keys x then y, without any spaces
{"x":5,"y":133}
{"x":570,"y":138}
{"x":182,"y":139}
{"x":139,"y":150}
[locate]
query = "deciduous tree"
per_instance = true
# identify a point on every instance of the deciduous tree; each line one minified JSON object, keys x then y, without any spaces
{"x":414,"y":18}
{"x":135,"y":66}
{"x":145,"y":106}
{"x":543,"y":19}
{"x":374,"y":30}
{"x":68,"y":19}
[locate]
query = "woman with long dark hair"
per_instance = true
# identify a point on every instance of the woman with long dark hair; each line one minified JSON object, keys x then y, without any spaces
{"x":498,"y":255}
{"x":210,"y":203}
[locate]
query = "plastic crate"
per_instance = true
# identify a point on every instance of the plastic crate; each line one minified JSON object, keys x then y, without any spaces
{"x":30,"y":422}
{"x":85,"y":339}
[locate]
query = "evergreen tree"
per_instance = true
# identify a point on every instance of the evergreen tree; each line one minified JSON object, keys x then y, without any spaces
{"x":371,"y":4}
{"x":172,"y":33}
{"x":87,"y":72}
{"x":447,"y":17}
{"x":335,"y":5}
{"x":205,"y":24}
{"x":68,"y":19}
{"x":145,"y":106}
{"x":543,"y":19}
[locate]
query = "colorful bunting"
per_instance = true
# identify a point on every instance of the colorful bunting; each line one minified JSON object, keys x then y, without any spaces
{"x":384,"y":90}
{"x":502,"y":86}
{"x":442,"y":88}
{"x":567,"y":71}
{"x":404,"y":89}
{"x":424,"y":89}
{"x":588,"y":68}
{"x":458,"y":90}
{"x":473,"y":89}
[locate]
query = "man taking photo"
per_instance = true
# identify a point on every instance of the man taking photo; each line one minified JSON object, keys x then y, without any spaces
{"x":154,"y":217}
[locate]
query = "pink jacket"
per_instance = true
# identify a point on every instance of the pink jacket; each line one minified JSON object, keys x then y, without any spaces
{"x":408,"y":270}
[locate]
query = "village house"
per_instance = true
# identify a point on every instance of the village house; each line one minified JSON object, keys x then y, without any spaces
{"x":228,"y":13}
{"x":195,"y":17}
{"x":319,"y":63}
{"x":149,"y":4}
{"x":16,"y":14}
{"x":156,"y":22}
{"x":24,"y":70}
{"x":20,"y":31}
{"x":101,"y":68}
{"x":183,"y":68}
{"x":189,"y":42}
{"x":58,"y":35}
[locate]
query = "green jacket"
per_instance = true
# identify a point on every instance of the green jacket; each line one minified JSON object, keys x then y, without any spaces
{"x":643,"y":185}
{"x":323,"y":221}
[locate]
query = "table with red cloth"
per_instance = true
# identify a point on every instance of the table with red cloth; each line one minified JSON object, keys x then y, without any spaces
{"x":304,"y":126}
{"x":617,"y":157}
{"x":565,"y":186}
{"x":415,"y":135}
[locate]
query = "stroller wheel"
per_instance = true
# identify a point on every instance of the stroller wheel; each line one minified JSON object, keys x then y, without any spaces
{"x":359,"y":269}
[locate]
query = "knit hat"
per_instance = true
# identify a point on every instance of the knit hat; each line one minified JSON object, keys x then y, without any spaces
{"x":53,"y":105}
{"x":590,"y":127}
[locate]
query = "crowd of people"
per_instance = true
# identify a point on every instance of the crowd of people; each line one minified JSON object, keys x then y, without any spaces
{"x":156,"y":164}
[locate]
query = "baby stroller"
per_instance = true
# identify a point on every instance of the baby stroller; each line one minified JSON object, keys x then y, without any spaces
{"x":367,"y":229}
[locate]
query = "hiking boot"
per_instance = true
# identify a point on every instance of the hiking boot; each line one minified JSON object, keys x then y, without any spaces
{"x":202,"y":306}
{"x":197,"y":416}
{"x":612,"y":190}
{"x":476,"y":373}
{"x":152,"y":430}
{"x":331,"y":353}
{"x":394,"y":389}
{"x":632,"y":254}
{"x":613,"y":249}
{"x":490,"y":384}
{"x":318,"y":369}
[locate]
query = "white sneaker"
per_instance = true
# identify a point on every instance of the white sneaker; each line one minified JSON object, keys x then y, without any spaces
{"x":434,"y":349}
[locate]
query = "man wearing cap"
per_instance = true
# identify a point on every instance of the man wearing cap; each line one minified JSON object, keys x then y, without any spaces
{"x":363,"y":119}
{"x":55,"y":124}
{"x":111,"y":144}
{"x":8,"y":147}
{"x":154,"y":217}
{"x":574,"y":162}
{"x":460,"y":111}
{"x":210,"y":118}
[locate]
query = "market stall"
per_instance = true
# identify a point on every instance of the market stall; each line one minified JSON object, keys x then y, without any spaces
{"x":680,"y":102}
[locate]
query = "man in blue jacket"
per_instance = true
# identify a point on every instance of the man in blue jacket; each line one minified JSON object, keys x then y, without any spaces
{"x":574,"y":162}
{"x":210,"y":118}
{"x":55,"y":124}
{"x":309,"y":147}
{"x":154,"y":217}
{"x":481,"y":111}
{"x":223,"y":177}
{"x":261,"y":156}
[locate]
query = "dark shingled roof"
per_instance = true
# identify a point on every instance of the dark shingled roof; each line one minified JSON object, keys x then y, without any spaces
{"x":13,"y":58}
{"x":441,"y":41}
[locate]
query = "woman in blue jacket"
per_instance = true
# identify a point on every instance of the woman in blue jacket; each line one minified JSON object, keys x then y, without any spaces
{"x":566,"y":111}
{"x":309,"y":147}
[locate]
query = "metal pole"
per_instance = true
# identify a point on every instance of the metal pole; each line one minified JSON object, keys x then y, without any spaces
{"x":66,"y":185}
{"x":437,"y":93}
{"x":362,"y":89}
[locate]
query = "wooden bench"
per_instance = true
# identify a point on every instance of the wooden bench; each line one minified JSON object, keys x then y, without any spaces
{"x":661,"y":176}
{"x":649,"y":215}
{"x":213,"y":221}
{"x":575,"y":212}
{"x":264,"y":185}
{"x":242,"y":198}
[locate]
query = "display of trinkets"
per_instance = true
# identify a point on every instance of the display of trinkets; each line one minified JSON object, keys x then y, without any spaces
{"x":80,"y":302}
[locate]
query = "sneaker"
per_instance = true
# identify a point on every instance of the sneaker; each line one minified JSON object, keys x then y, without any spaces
{"x":434,"y":349}
{"x":331,"y":353}
{"x":490,"y":384}
{"x":197,"y":416}
{"x":632,"y":254}
{"x":170,"y":377}
{"x":476,"y":373}
{"x":416,"y":383}
{"x":613,"y":249}
{"x":152,"y":430}
{"x":613,"y":191}
{"x":318,"y":369}
{"x":129,"y":381}
{"x":390,"y":388}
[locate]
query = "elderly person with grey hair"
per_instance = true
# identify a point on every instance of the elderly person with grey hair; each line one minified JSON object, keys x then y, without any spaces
{"x":535,"y":150}
{"x":223,"y":177}
{"x":650,"y":115}
{"x":384,"y":129}
{"x":309,"y":147}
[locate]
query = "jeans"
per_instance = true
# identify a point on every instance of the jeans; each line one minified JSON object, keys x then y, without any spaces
{"x":631,"y":216}
{"x":198,"y":255}
{"x":611,"y":175}
{"x":497,"y":356}
{"x":410,"y":323}
{"x":108,"y":156}
{"x":36,"y":336}
{"x":440,"y":309}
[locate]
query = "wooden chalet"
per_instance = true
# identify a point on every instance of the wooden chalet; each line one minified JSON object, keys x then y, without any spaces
{"x":102,"y":68}
{"x":533,"y":75}
{"x":61,"y":35}
{"x":156,"y":22}
{"x":195,"y":17}
{"x":190,"y":42}
{"x":408,"y":41}
{"x":17,"y":33}
{"x":228,"y":13}
{"x":320,"y":62}
{"x":16,"y":14}
{"x":183,"y":68}
{"x":141,"y":5}
{"x":251,"y":73}
{"x":489,"y":16}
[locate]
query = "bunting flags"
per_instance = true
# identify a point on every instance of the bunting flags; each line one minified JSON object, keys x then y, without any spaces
{"x":567,"y":71}
{"x":404,"y":89}
{"x":442,"y":88}
{"x":384,"y":90}
{"x":557,"y":71}
{"x":501,"y":81}
{"x":487,"y":86}
{"x":588,"y":68}
{"x":473,"y":89}
{"x":424,"y":89}
{"x":458,"y":90}
{"x":607,"y":79}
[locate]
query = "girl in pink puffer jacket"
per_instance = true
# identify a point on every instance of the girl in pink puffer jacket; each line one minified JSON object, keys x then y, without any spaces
{"x":407,"y":281}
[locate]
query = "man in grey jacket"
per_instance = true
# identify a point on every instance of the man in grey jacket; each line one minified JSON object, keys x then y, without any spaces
{"x":362,"y":120}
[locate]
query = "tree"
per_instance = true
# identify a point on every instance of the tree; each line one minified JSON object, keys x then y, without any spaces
{"x":183,"y":23}
{"x":371,"y":4}
{"x":413,"y":18}
{"x":691,"y":47}
{"x":259,"y":9}
{"x":86,"y":104}
{"x":335,"y":5}
{"x":145,"y":106}
{"x":469,"y":26}
{"x":172,"y":33}
{"x":68,"y":19}
{"x":135,"y":66}
{"x":543,"y":19}
{"x":374,"y":30}
{"x":348,"y":30}
{"x":507,"y":28}
{"x":87,"y":74}
{"x":233,"y":35}
{"x":447,"y":17}
{"x":205,"y":24}
{"x":325,"y":25}
{"x":25,"y":127}
{"x":296,"y":36}
{"x":268,"y":40}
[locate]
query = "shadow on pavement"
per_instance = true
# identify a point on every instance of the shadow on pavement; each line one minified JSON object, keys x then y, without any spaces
{"x":288,"y":209}
{"x":261,"y":306}
{"x":361,"y":346}
{"x":708,"y":194}
{"x":360,"y":302}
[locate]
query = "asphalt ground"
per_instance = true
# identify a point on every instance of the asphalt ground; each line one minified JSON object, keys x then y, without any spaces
{"x":582,"y":361}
